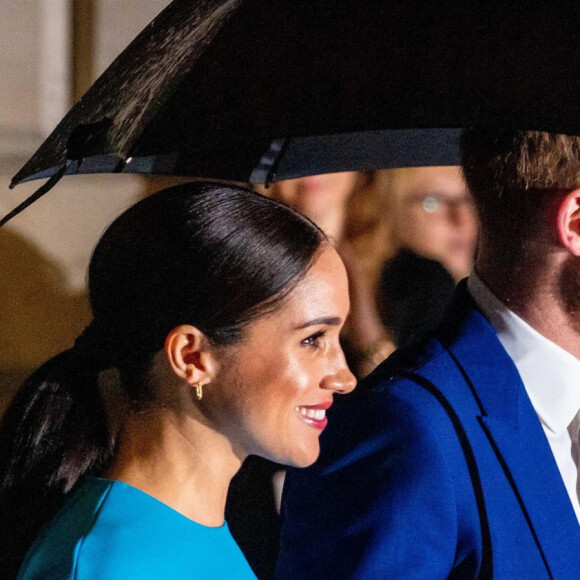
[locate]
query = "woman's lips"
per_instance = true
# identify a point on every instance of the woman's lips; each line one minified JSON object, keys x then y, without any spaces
{"x":314,"y":415}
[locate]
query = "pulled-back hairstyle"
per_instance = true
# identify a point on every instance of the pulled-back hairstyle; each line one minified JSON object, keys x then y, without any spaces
{"x":514,"y":174}
{"x":216,"y":257}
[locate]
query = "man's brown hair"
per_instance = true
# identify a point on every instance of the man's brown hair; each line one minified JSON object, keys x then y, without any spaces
{"x":514,"y":174}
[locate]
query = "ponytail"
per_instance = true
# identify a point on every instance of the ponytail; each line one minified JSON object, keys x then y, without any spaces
{"x":53,"y":434}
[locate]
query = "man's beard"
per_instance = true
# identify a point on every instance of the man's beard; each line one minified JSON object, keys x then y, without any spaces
{"x":569,"y":290}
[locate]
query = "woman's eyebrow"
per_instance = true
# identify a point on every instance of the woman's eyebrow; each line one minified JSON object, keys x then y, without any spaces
{"x":330,"y":320}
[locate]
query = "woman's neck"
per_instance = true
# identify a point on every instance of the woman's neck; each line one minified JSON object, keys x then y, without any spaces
{"x":182,"y":462}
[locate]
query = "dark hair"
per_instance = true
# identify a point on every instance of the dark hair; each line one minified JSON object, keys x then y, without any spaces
{"x":216,"y":257}
{"x":514,"y":174}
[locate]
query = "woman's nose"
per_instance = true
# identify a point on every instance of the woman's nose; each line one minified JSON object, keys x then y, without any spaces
{"x":342,"y":381}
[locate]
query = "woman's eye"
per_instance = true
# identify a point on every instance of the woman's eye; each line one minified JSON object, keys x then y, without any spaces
{"x":314,"y":339}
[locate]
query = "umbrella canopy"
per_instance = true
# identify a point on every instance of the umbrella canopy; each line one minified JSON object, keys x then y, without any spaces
{"x":263,"y":90}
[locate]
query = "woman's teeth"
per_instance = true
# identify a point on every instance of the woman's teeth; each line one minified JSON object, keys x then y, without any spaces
{"x":317,"y":414}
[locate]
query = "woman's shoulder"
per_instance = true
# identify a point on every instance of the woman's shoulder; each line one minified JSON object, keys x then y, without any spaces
{"x":53,"y":551}
{"x":110,"y":530}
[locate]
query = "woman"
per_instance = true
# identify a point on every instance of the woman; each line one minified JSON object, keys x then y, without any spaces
{"x":411,"y":235}
{"x":253,"y":505}
{"x":431,"y":213}
{"x":220,"y":310}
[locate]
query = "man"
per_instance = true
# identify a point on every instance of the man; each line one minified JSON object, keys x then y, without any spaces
{"x":457,"y":457}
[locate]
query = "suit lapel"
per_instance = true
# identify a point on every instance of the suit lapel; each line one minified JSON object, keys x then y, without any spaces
{"x":529,"y":464}
{"x":515,"y":432}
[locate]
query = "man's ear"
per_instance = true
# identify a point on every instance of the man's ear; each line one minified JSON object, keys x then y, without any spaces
{"x":190,"y":355}
{"x":569,"y":222}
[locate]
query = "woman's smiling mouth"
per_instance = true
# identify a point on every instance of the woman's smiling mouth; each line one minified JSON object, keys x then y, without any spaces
{"x":314,"y":415}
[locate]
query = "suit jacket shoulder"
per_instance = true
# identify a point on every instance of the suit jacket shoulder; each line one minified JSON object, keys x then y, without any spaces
{"x":387,"y":496}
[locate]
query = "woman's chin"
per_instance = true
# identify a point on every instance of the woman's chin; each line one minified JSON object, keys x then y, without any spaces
{"x":304,"y":459}
{"x":297,"y":457}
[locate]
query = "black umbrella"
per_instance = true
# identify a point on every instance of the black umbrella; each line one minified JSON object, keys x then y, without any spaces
{"x":263,"y":90}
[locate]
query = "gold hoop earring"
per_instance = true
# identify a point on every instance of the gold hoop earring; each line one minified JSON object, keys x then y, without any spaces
{"x":198,"y":390}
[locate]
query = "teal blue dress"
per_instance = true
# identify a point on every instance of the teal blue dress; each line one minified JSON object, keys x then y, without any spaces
{"x":108,"y":530}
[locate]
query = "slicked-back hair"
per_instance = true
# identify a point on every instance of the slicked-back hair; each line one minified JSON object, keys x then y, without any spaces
{"x":216,"y":257}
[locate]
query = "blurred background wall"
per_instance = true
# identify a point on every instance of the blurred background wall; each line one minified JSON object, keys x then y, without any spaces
{"x":50,"y":53}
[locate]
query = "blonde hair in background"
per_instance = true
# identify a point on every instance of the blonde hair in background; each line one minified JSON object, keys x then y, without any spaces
{"x":425,"y":209}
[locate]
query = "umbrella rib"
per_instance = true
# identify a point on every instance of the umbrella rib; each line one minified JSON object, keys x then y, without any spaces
{"x":44,"y":188}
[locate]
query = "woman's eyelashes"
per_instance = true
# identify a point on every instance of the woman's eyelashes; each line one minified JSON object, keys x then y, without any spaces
{"x":315,"y":340}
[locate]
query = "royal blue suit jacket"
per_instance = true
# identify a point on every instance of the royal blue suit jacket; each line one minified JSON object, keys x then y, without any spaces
{"x":436,"y":466}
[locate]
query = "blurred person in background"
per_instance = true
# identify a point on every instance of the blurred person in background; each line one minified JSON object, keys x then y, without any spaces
{"x":323,"y":198}
{"x":410,"y":234}
{"x":431,"y":213}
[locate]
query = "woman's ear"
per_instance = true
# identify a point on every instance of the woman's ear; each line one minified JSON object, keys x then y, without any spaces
{"x":569,"y":222}
{"x":190,"y":355}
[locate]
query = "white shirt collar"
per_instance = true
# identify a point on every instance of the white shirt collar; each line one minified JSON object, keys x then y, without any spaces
{"x":551,"y":375}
